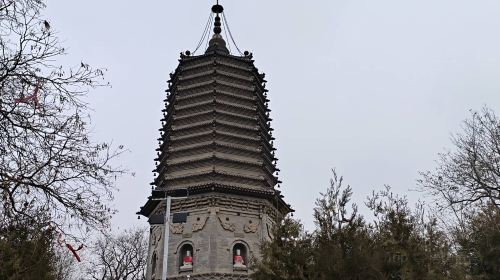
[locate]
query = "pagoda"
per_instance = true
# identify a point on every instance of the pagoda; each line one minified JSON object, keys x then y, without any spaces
{"x":214,"y":198}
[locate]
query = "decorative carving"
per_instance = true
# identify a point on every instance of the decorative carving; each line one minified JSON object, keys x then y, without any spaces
{"x":176,"y":228}
{"x":219,"y":276}
{"x":156,"y":234}
{"x":226,"y":224}
{"x":223,"y":201}
{"x":250,"y":227}
{"x":160,"y":210}
{"x":269,"y":230}
{"x":200,"y":223}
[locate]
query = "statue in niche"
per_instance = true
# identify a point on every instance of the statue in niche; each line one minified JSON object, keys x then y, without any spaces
{"x":226,"y":224}
{"x":238,"y":260}
{"x":187,"y":261}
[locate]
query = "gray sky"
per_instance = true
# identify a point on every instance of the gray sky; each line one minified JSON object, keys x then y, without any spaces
{"x":372,"y":88}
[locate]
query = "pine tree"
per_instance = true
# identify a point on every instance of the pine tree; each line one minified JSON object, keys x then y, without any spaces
{"x":26,"y":252}
{"x":288,"y":255}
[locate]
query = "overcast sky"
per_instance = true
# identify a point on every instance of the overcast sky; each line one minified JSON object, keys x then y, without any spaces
{"x":371,"y":88}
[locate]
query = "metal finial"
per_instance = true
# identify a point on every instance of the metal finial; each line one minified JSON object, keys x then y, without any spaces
{"x":217,"y":9}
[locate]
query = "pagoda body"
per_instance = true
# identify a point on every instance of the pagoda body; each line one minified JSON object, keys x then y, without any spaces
{"x":216,"y":145}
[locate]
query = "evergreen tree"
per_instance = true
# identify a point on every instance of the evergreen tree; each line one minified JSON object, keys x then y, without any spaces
{"x":408,"y":243}
{"x":401,"y":243}
{"x":288,"y":255}
{"x":342,"y":245}
{"x":479,"y":243}
{"x":26,"y":252}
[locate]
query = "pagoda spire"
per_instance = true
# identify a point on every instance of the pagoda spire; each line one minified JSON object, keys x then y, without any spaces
{"x":217,"y":43}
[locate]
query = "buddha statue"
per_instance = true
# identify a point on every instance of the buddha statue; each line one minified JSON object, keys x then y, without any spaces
{"x":238,"y":260}
{"x":187,"y":261}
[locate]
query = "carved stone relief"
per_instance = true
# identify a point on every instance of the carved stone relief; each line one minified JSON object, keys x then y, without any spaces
{"x":160,"y":210}
{"x":250,"y":227}
{"x":200,"y":223}
{"x":176,"y":228}
{"x":224,"y":222}
{"x":269,"y":228}
{"x":156,"y":234}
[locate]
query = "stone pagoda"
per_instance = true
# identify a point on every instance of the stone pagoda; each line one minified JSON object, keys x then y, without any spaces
{"x":214,"y":197}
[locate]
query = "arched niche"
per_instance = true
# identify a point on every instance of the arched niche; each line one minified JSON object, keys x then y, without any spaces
{"x":185,"y":253}
{"x":240,"y":255}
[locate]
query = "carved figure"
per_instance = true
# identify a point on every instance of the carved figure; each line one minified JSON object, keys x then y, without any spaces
{"x":238,"y":260}
{"x":226,"y":225}
{"x":187,"y":261}
{"x":250,"y":227}
{"x":199,"y":225}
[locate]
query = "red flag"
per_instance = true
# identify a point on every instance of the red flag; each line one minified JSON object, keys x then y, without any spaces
{"x":74,"y":251}
{"x":31,"y":98}
{"x":62,"y":242}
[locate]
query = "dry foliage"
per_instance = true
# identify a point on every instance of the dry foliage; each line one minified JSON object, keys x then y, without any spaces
{"x":48,"y":161}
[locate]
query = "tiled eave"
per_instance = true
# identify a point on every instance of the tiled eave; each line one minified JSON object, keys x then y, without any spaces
{"x":273,"y":196}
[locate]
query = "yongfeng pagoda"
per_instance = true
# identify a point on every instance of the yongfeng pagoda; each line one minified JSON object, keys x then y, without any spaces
{"x":216,"y":164}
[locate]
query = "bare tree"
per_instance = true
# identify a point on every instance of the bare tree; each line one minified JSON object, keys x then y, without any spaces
{"x":48,"y":163}
{"x":470,"y":174}
{"x":120,"y":257}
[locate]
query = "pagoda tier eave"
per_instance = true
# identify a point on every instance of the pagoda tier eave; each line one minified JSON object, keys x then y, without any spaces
{"x":273,"y":196}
